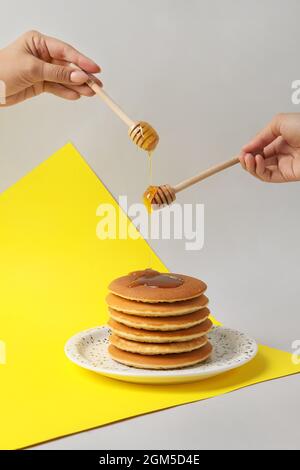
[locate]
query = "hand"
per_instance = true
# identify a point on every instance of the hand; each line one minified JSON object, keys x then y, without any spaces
{"x":274,"y":154}
{"x":35,"y":63}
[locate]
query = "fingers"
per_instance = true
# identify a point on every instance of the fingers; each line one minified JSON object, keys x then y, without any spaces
{"x":63,"y":51}
{"x":17,"y":98}
{"x":242,"y":161}
{"x":50,"y":61}
{"x":61,"y":91}
{"x":68,"y":64}
{"x":250,"y":164}
{"x":66,"y":75}
{"x":61,"y":74}
{"x":27,"y":93}
{"x":35,"y":90}
{"x":271,"y":161}
{"x":270,"y":141}
{"x":256,"y":166}
{"x":273,"y":148}
{"x":67,"y":92}
{"x":266,"y":136}
{"x":82,"y":90}
{"x":261,"y":171}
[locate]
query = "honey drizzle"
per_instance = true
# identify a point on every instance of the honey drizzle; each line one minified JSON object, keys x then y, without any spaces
{"x":150,"y":209}
{"x":148,"y":197}
{"x":155,"y":279}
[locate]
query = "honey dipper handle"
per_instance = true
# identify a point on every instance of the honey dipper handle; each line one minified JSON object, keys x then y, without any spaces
{"x":205,"y":174}
{"x":107,"y":99}
{"x":110,"y":103}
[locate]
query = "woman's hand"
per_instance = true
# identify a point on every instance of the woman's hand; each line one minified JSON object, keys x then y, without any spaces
{"x":35,"y":63}
{"x":274,"y":154}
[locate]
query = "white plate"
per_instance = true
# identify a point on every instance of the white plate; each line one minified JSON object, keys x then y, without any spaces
{"x":232,"y":349}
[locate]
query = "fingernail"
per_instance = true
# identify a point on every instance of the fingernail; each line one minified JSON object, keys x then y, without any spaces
{"x":98,"y":67}
{"x":78,"y":77}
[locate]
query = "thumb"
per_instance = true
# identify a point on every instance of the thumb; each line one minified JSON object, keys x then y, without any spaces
{"x":63,"y":74}
{"x":266,"y":136}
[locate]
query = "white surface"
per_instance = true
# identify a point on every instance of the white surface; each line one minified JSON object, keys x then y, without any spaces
{"x":261,"y":417}
{"x":207,"y":74}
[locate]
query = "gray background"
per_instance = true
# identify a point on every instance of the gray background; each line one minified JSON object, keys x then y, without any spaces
{"x":208,"y":75}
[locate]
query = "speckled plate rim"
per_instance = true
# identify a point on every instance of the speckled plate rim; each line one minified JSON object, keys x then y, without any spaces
{"x":248,"y":351}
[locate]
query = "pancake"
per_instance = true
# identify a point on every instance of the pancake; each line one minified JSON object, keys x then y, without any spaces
{"x":189,"y":288}
{"x":163,"y":362}
{"x":178,"y":322}
{"x":144,"y":336}
{"x":154,"y":348}
{"x":143,"y":309}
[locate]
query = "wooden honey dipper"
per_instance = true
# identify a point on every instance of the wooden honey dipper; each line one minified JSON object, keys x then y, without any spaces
{"x":141,"y":133}
{"x":166,"y":194}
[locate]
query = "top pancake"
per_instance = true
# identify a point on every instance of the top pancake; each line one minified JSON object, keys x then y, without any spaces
{"x":190,"y":288}
{"x":143,"y":309}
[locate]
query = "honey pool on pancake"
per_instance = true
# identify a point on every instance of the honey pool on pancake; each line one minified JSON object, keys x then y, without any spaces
{"x":152,"y":278}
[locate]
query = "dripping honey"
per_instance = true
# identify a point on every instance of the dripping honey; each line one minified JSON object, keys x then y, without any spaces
{"x":148,"y":197}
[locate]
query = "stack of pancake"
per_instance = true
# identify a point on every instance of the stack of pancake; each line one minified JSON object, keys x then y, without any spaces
{"x":158,"y":321}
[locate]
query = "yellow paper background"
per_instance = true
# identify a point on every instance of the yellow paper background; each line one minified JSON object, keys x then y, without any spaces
{"x":54,"y":273}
